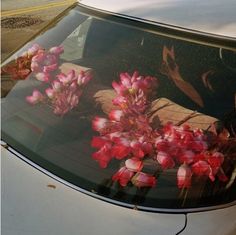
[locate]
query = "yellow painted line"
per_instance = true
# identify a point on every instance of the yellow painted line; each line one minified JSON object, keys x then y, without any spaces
{"x":36,"y":8}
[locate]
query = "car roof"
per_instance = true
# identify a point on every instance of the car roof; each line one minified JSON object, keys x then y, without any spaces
{"x":207,"y":16}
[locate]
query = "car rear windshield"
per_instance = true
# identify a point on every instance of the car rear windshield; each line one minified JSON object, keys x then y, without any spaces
{"x":129,"y":114}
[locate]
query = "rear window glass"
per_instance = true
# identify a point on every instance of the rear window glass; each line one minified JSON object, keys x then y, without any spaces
{"x":125,"y":113}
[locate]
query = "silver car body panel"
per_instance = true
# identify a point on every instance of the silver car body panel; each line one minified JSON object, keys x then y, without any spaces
{"x":51,"y":207}
{"x":34,"y":203}
{"x":214,"y":17}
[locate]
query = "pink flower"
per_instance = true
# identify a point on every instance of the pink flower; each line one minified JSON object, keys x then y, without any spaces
{"x":35,"y":66}
{"x":137,"y":149}
{"x":129,"y":83}
{"x":147,"y":148}
{"x":125,"y":80}
{"x":118,"y":88}
{"x":116,"y":115}
{"x":123,"y":176}
{"x":83,"y":78}
{"x":134,"y":164}
{"x":34,"y":49}
{"x":56,"y":50}
{"x":187,"y":156}
{"x":120,"y":151}
{"x":39,"y":57}
{"x":132,"y":92}
{"x":35,"y":98}
{"x":221,"y":175}
{"x":201,"y":168}
{"x":132,"y":138}
{"x":143,"y":180}
{"x":162,"y":144}
{"x":184,"y":176}
{"x":120,"y":101}
{"x":149,"y":83}
{"x":49,"y":68}
{"x":199,"y":146}
{"x":103,"y":156}
{"x":43,"y":77}
{"x":99,"y":124}
{"x":64,"y":94}
{"x":56,"y":85}
{"x":216,"y":159}
{"x":50,"y":93}
{"x":67,"y":78}
{"x":99,"y":142}
{"x":44,"y":62}
{"x":165,"y":160}
{"x":60,"y":105}
{"x":65,"y":101}
{"x":131,"y":146}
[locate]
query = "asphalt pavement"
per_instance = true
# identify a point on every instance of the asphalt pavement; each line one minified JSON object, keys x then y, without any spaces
{"x":20,"y":19}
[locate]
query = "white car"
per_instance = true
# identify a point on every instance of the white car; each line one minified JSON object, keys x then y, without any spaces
{"x":119,"y":117}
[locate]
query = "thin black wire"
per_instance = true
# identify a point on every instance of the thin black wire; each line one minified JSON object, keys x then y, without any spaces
{"x":185,"y":224}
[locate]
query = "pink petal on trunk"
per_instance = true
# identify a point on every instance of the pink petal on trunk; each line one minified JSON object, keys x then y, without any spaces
{"x":103,"y":156}
{"x":35,"y":98}
{"x":49,"y":68}
{"x":125,"y":80}
{"x":42,"y":77}
{"x":116,"y":115}
{"x":99,"y":123}
{"x":56,"y":50}
{"x":56,"y":85}
{"x":50,"y":93}
{"x":32,"y":50}
{"x":143,"y":180}
{"x":98,"y":142}
{"x":165,"y":160}
{"x":187,"y":156}
{"x":201,"y":168}
{"x":83,"y":78}
{"x":123,"y":176}
{"x":184,"y":176}
{"x":134,"y":164}
{"x":120,"y":151}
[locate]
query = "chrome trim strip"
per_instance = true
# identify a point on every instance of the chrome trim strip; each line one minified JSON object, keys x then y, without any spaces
{"x":131,"y":206}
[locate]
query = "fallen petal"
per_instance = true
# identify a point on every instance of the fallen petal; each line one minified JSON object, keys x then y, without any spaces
{"x":184,"y":176}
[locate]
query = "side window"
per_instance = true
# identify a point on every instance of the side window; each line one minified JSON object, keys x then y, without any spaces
{"x":75,"y":42}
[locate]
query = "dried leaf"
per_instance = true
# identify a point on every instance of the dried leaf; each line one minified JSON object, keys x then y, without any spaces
{"x":17,"y":71}
{"x":51,"y":186}
{"x":189,"y":90}
{"x":168,"y":53}
{"x":171,"y":69}
{"x":220,"y":131}
{"x":205,"y":77}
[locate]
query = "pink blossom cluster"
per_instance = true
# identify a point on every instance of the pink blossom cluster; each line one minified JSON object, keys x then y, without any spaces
{"x":32,"y":51}
{"x":63,"y":93}
{"x":133,"y":92}
{"x":43,"y":62}
{"x":127,"y":135}
{"x":190,"y":151}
